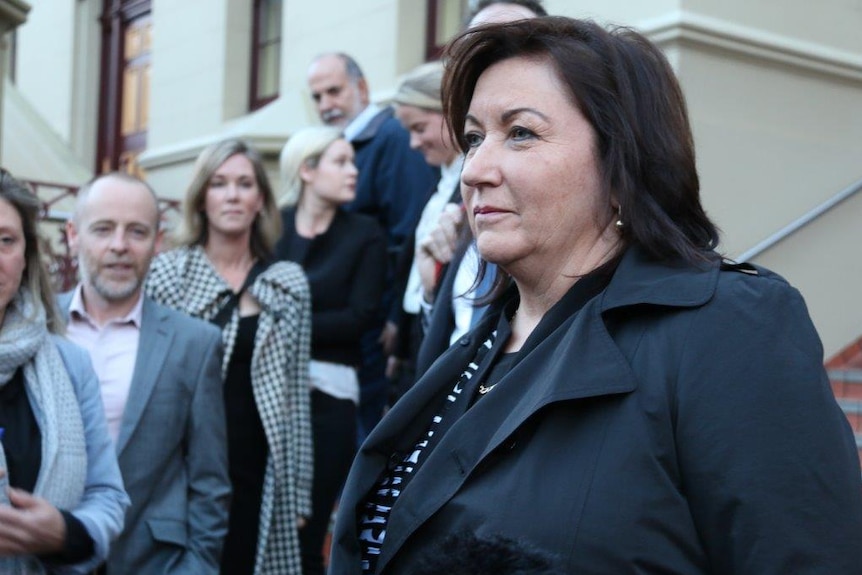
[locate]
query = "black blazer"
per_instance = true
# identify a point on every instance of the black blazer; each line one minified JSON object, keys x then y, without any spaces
{"x":346,"y":269}
{"x":680,"y":422}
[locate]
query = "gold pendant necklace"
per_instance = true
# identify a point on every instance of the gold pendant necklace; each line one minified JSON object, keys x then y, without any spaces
{"x":485,"y":389}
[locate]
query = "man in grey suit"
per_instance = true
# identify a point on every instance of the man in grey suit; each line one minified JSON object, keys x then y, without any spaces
{"x":160,"y":376}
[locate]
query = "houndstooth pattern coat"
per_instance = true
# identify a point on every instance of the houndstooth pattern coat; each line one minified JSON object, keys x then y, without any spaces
{"x":185,"y":279}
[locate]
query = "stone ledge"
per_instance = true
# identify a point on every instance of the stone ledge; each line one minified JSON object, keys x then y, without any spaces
{"x":697,"y":30}
{"x":12,"y":13}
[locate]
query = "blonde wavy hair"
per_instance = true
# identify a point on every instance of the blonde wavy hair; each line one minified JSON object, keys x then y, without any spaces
{"x":266,"y":228}
{"x":304,"y":148}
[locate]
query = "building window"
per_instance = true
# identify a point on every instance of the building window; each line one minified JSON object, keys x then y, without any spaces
{"x":445,"y":19}
{"x":127,"y":28}
{"x":135,"y":101}
{"x":265,"y":52}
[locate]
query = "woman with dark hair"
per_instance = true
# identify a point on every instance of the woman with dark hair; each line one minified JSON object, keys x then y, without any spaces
{"x":61,"y":495}
{"x":223,"y":273}
{"x":631,"y":403}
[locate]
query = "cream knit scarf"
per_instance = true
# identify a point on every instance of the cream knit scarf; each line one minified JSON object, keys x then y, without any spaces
{"x":24,"y":341}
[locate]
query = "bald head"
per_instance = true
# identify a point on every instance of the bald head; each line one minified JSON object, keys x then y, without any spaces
{"x":116,"y":183}
{"x":502,"y":12}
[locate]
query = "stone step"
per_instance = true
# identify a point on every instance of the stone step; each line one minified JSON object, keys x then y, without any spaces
{"x":853,"y":410}
{"x":846,"y":383}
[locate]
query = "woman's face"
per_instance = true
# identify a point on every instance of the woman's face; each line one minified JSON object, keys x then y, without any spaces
{"x":233,"y":198}
{"x":531,"y":181}
{"x":428,"y":134}
{"x":333,"y":180}
{"x":12,"y":258}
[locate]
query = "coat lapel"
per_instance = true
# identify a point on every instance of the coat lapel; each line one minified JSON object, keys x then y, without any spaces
{"x":153,"y":347}
{"x":553,"y":375}
{"x":577,"y":359}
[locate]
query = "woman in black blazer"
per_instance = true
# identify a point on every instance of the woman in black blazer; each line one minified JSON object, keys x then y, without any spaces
{"x":344,"y":256}
{"x":631,"y":402}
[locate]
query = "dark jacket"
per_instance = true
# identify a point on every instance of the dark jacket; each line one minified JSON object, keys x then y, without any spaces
{"x":346,"y":270}
{"x":393,"y":179}
{"x":681,"y":422}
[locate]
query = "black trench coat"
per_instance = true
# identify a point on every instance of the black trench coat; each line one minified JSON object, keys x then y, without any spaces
{"x":681,"y":422}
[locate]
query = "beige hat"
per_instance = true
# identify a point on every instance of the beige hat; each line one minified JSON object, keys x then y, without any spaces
{"x":421,"y":87}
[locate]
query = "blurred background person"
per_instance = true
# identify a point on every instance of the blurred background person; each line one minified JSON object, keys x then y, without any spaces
{"x":391,"y":186}
{"x":343,"y":255}
{"x":446,"y":258}
{"x":223,"y":272}
{"x":420,"y":110}
{"x":501,"y":11}
{"x":631,"y":401}
{"x":61,"y":495}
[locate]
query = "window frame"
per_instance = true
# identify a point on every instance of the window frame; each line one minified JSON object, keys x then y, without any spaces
{"x":255,"y":100}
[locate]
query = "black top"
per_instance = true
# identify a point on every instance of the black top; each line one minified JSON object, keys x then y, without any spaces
{"x":22,"y":440}
{"x":247,"y":453}
{"x":346,"y":269}
{"x":22,"y":447}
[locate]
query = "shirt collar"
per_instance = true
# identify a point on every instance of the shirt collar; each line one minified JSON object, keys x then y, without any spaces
{"x":355,"y":127}
{"x":77,"y":309}
{"x":451,"y":173}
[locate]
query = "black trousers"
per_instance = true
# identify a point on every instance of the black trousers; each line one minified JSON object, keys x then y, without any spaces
{"x":333,"y":425}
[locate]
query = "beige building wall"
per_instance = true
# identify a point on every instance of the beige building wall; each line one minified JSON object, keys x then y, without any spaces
{"x":774,"y":90}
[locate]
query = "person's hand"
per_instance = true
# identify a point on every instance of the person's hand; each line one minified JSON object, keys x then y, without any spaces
{"x":30,"y":526}
{"x":393,"y":368}
{"x":388,"y":338}
{"x":438,"y":247}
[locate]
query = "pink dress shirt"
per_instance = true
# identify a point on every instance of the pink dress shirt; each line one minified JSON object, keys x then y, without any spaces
{"x":113,"y":348}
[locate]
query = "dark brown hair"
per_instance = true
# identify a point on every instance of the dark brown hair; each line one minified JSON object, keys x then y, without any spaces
{"x":625,"y":88}
{"x":35,"y":278}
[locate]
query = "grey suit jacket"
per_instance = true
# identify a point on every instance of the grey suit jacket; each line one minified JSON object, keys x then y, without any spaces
{"x":172,"y":448}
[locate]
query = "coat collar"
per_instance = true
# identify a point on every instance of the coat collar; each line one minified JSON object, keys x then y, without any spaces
{"x":577,"y":359}
{"x":642,"y":280}
{"x":370,"y":130}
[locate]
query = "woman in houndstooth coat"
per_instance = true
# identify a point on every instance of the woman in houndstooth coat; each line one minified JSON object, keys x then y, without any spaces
{"x":221,"y":273}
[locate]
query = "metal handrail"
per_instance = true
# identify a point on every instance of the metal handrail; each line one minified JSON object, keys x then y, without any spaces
{"x":800,"y":222}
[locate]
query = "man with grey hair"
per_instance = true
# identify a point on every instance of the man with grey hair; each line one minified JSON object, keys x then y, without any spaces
{"x":393,"y":183}
{"x":160,"y":376}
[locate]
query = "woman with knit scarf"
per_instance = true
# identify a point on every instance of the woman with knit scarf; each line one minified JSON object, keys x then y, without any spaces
{"x":61,"y":494}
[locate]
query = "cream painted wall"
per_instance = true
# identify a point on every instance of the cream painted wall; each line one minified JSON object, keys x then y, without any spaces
{"x":834,"y":23}
{"x":620,"y":12}
{"x":822,"y":261}
{"x":45,"y":67}
{"x":194,"y":87}
{"x":86,"y":70}
{"x":773,"y":141}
